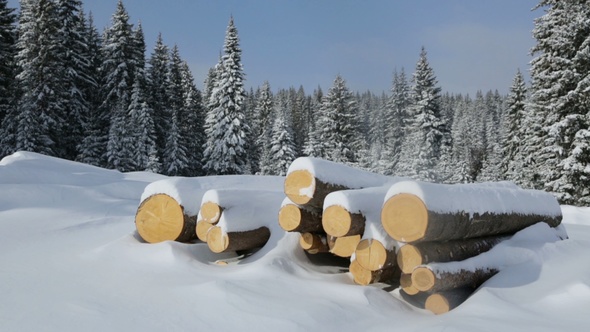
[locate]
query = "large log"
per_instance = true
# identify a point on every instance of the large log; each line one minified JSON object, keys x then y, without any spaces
{"x":427,"y":280}
{"x":296,"y":218}
{"x":410,"y":256}
{"x":372,"y":255}
{"x":338,"y":221}
{"x":313,"y":243}
{"x":443,"y":302}
{"x":160,"y":218}
{"x":220,"y":241}
{"x":343,"y":246}
{"x":365,"y":277}
{"x":434,"y":212}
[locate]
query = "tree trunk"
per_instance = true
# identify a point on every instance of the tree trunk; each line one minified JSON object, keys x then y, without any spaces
{"x":443,"y":302}
{"x":417,"y":299}
{"x":372,"y":255}
{"x":296,"y":218}
{"x":339,"y":222}
{"x":427,"y":280}
{"x":210,"y":212}
{"x":343,"y":246}
{"x":406,"y":218}
{"x":405,"y":282}
{"x":220,"y":241}
{"x":160,"y":218}
{"x":313,"y":243}
{"x":412,"y":255}
{"x":365,"y":277}
{"x":303,"y":188}
{"x":202,"y":229}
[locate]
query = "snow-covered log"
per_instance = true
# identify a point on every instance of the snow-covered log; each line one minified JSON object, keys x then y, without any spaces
{"x":297,"y":218}
{"x":365,"y":277}
{"x":161,"y":218}
{"x":310,"y":180}
{"x":443,"y":302}
{"x":313,"y":243}
{"x":210,"y":212}
{"x":220,"y":241}
{"x":410,"y":256}
{"x":343,"y":246}
{"x":417,"y":211}
{"x":428,"y":278}
{"x":372,"y":255}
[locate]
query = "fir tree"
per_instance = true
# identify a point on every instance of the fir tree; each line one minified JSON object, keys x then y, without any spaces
{"x":143,"y":137}
{"x":7,"y":73}
{"x":282,"y":146}
{"x":396,"y":118}
{"x":158,"y":97}
{"x":262,"y":128}
{"x":513,"y":131}
{"x":193,"y":122}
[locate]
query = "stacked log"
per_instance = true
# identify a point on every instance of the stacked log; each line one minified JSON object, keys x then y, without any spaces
{"x":161,"y":218}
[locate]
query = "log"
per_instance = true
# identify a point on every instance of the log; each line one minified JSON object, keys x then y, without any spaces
{"x":313,"y":243}
{"x":220,"y":241}
{"x":303,"y":188}
{"x":343,"y":246}
{"x":405,"y":282}
{"x":210,"y":212}
{"x":417,"y":299}
{"x":362,"y":276}
{"x":295,"y":218}
{"x":427,"y":280}
{"x":372,"y":255}
{"x":338,"y":222}
{"x":412,"y":255}
{"x":443,"y":302}
{"x":202,"y":229}
{"x":160,"y":218}
{"x":434,"y":212}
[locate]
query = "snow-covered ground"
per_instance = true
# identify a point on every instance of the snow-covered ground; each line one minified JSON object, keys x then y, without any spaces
{"x":70,"y":261}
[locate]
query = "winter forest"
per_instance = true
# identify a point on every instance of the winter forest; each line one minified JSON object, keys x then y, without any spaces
{"x":68,"y":91}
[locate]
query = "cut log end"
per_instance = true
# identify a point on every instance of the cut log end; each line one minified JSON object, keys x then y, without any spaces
{"x":365,"y":277}
{"x":300,"y":186}
{"x":343,"y":246}
{"x":405,"y":217}
{"x":313,"y":243}
{"x":217,"y":239}
{"x":405,"y":282}
{"x":337,"y":221}
{"x":289,"y":217}
{"x":408,"y":258}
{"x":437,"y":304}
{"x":210,"y":212}
{"x":202,"y":230}
{"x":423,"y":279}
{"x":372,"y":255}
{"x":159,"y":218}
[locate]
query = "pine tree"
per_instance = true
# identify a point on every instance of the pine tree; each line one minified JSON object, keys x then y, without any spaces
{"x":262,"y":128}
{"x":143,"y":136}
{"x":7,"y":73}
{"x":193,"y":122}
{"x":225,"y":126}
{"x":513,"y":131}
{"x":396,"y":118}
{"x":158,"y":97}
{"x":282,"y":146}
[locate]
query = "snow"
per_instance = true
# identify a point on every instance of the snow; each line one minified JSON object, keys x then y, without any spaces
{"x":70,"y":260}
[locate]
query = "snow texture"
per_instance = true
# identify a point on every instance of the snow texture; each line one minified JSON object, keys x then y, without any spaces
{"x":70,"y":260}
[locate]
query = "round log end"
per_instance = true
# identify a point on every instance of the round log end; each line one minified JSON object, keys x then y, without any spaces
{"x":405,"y":282}
{"x":437,"y":304}
{"x":300,"y":186}
{"x":405,"y":217}
{"x":307,"y":240}
{"x":360,"y":275}
{"x":344,"y":246}
{"x":408,"y":258}
{"x":289,"y":217}
{"x":210,"y":212}
{"x":159,"y":218}
{"x":202,"y":230}
{"x":371,"y":254}
{"x":423,"y":279}
{"x":336,"y":220}
{"x":217,"y":239}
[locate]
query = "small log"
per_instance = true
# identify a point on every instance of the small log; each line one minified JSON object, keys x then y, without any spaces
{"x":338,"y":222}
{"x":372,"y":255}
{"x":343,"y":246}
{"x":220,"y":241}
{"x":313,"y":243}
{"x":412,"y":255}
{"x":417,"y":299}
{"x":210,"y":212}
{"x":365,"y":277}
{"x":202,"y":229}
{"x":295,"y":218}
{"x":406,"y":218}
{"x":303,"y":188}
{"x":427,"y":280}
{"x":160,"y":218}
{"x":405,"y":282}
{"x":443,"y":302}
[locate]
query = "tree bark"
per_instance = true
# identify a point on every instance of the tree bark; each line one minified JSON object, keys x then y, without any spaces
{"x":220,"y":241}
{"x":406,"y":218}
{"x":372,"y":255}
{"x":365,"y":277}
{"x":427,"y":280}
{"x":339,"y":222}
{"x":296,"y":218}
{"x":160,"y":218}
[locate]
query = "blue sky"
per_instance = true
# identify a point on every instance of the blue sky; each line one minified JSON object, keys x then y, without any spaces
{"x":472,"y":44}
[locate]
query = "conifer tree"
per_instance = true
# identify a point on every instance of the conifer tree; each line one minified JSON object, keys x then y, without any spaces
{"x":7,"y":73}
{"x":143,"y":136}
{"x":282,"y":146}
{"x":193,"y":122}
{"x":158,"y":97}
{"x":262,"y":128}
{"x":512,"y":131}
{"x":396,"y":118}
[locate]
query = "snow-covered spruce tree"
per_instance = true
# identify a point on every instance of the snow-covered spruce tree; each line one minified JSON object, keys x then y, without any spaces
{"x":337,"y":124}
{"x":262,"y":127}
{"x":396,"y":118}
{"x":7,"y":73}
{"x":282,"y":146}
{"x":225,"y":126}
{"x":157,"y":94}
{"x":312,"y":146}
{"x":560,"y":98}
{"x":194,"y":120}
{"x":493,"y":154}
{"x":299,"y":118}
{"x":513,"y":131}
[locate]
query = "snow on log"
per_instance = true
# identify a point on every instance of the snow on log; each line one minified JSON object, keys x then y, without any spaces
{"x":443,"y":302}
{"x":313,"y":243}
{"x":418,"y":211}
{"x":297,"y":218}
{"x":365,"y":277}
{"x":372,"y":255}
{"x":410,"y":256}
{"x":220,"y":241}
{"x":343,"y":246}
{"x":161,"y":218}
{"x":310,"y":180}
{"x":429,"y":279}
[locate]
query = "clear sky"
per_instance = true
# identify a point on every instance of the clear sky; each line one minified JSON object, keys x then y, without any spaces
{"x":472,"y":44}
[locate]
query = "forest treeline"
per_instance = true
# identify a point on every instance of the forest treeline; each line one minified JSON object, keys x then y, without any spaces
{"x":68,"y":91}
